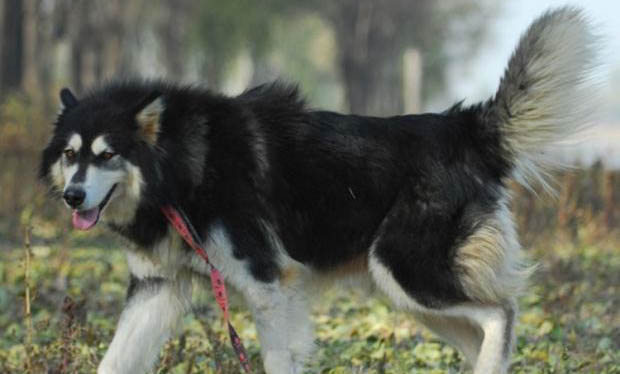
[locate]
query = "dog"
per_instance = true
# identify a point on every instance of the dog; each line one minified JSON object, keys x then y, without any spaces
{"x":286,"y":196}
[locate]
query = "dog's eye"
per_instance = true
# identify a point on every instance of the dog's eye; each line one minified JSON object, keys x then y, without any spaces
{"x":107,"y":155}
{"x":70,"y":154}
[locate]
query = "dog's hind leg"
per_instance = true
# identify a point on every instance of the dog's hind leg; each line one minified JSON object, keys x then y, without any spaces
{"x":497,"y":324}
{"x":156,"y":301}
{"x":457,"y":331}
{"x":484,"y":333}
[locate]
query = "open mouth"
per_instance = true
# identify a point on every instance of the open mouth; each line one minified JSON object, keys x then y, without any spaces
{"x":86,"y":219}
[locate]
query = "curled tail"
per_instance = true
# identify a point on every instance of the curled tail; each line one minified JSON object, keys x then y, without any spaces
{"x":543,"y":98}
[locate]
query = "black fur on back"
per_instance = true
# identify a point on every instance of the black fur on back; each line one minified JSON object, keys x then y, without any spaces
{"x":329,"y":184}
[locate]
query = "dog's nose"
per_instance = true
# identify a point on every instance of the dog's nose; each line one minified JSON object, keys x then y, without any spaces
{"x":74,"y":196}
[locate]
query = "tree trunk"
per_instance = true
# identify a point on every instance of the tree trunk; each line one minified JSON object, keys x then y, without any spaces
{"x":171,"y":32}
{"x":31,"y":25}
{"x":412,"y":81}
{"x":370,"y":57}
{"x":77,"y":65}
{"x":11,"y":46}
{"x":80,"y":35}
{"x":45,"y":42}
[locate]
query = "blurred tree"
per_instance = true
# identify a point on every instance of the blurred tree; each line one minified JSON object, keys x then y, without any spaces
{"x":45,"y":44}
{"x":80,"y":35}
{"x":40,"y":41}
{"x":96,"y":31}
{"x":116,"y":37}
{"x":171,"y":28}
{"x":372,"y":37}
{"x":11,"y":46}
{"x":221,"y":29}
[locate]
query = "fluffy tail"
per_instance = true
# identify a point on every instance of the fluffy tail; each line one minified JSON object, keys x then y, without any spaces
{"x":543,"y":96}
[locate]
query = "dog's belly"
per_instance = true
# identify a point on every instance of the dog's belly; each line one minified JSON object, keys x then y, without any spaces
{"x":354,"y":271}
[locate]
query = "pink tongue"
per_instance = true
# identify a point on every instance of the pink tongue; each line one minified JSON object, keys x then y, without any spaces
{"x":85,"y":219}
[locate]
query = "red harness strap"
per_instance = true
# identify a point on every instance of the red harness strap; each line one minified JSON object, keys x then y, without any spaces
{"x":181,"y":223}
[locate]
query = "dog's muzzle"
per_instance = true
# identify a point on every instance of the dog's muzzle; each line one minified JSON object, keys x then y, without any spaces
{"x":87,"y":218}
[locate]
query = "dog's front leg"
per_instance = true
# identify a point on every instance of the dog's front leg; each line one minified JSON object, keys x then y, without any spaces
{"x":270,"y":308}
{"x":156,"y":301}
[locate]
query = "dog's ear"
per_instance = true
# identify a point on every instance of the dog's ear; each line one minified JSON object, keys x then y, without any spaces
{"x":67,"y":99}
{"x":148,"y":117}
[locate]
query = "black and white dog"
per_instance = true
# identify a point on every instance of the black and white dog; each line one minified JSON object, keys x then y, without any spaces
{"x":287,"y":196}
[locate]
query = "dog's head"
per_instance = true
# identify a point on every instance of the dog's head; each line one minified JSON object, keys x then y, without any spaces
{"x":93,"y":160}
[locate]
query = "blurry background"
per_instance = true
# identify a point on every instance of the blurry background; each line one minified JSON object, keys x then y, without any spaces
{"x":362,"y":56}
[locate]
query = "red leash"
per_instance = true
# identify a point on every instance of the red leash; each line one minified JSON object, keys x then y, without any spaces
{"x":181,"y":223}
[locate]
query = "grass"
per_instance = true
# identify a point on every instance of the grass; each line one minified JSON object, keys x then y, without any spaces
{"x":60,"y":300}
